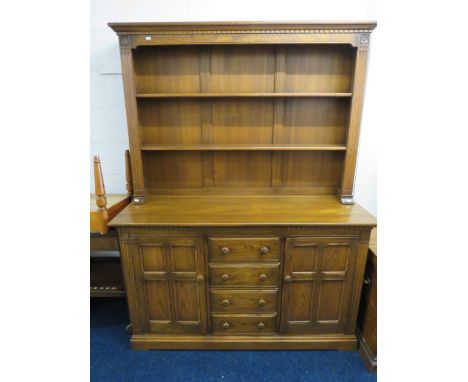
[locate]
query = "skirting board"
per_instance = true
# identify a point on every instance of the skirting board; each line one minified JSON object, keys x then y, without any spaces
{"x":217,"y":342}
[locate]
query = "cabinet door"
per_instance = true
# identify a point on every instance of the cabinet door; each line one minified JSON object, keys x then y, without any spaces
{"x":317,"y":284}
{"x":170,"y":272}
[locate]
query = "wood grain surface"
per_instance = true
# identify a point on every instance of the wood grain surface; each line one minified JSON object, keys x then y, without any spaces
{"x":240,"y":210}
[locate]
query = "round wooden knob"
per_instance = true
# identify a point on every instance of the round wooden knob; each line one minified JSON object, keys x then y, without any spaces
{"x":225,"y":277}
{"x":261,"y":302}
{"x":288,"y":278}
{"x":225,"y":251}
{"x":226,"y":325}
{"x":264,"y":250}
{"x":225,"y":302}
{"x":200,"y":278}
{"x":263,"y":277}
{"x":261,"y":325}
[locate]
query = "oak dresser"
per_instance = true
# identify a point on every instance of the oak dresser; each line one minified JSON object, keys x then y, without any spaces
{"x":243,"y":232}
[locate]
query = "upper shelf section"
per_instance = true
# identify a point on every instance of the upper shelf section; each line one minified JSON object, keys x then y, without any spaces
{"x":244,"y":71}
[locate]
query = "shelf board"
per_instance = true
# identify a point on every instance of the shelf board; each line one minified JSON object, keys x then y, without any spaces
{"x":110,"y":290}
{"x":240,"y":147}
{"x":252,"y":95}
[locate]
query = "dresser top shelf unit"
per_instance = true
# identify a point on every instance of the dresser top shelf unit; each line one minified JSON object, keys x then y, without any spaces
{"x":225,"y":108}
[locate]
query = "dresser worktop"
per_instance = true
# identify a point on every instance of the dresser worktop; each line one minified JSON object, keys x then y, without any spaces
{"x":245,"y":210}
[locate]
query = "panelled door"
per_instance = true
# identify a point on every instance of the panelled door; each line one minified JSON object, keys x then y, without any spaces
{"x":170,"y":274}
{"x":317,"y":282}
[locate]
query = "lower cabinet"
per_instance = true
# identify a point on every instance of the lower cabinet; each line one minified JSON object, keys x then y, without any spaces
{"x":288,"y":291}
{"x":170,"y":276}
{"x":318,"y":275}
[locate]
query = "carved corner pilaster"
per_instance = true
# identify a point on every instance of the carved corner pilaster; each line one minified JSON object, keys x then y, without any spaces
{"x":365,"y":234}
{"x":363,"y":44}
{"x":124,"y":238}
{"x":124,"y":41}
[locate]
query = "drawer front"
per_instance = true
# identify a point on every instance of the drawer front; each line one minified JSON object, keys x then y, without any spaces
{"x":243,"y":324}
{"x":262,"y":275}
{"x":104,"y":243}
{"x":256,"y":301}
{"x":234,"y":249}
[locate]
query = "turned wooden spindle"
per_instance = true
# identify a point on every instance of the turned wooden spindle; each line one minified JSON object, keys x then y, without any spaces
{"x":128,"y":173}
{"x":101,"y":200}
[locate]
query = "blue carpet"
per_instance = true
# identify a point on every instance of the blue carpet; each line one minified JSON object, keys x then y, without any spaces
{"x":113,"y":361}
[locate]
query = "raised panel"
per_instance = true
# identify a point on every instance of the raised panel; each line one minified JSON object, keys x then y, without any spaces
{"x":184,"y":258}
{"x":170,"y":121}
{"x":242,"y":69}
{"x":153,"y":258}
{"x":300,"y":298}
{"x":187,"y":302}
{"x":303,"y":258}
{"x":335,"y":258}
{"x":238,"y":121}
{"x":319,"y":68}
{"x":158,"y":300}
{"x":167,"y":69}
{"x":330,"y":300}
{"x":242,"y":169}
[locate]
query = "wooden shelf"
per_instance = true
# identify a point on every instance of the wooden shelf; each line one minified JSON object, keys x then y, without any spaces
{"x":251,"y":95}
{"x":107,"y":291}
{"x":208,"y":147}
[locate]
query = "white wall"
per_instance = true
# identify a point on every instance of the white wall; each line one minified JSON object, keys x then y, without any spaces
{"x":108,"y":124}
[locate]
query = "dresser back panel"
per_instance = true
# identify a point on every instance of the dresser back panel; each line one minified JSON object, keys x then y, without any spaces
{"x":319,"y":68}
{"x":315,"y":120}
{"x":169,"y":121}
{"x":167,"y":69}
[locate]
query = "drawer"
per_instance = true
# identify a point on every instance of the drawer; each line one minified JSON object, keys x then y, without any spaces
{"x":260,"y":275}
{"x":243,"y":323}
{"x":104,"y":243}
{"x":232,"y":249}
{"x":255,"y":301}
